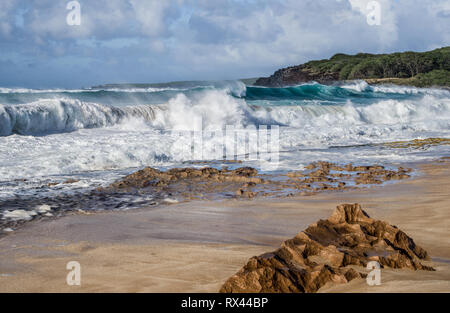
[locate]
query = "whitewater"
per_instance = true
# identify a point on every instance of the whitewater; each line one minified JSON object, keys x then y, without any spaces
{"x":94,"y":136}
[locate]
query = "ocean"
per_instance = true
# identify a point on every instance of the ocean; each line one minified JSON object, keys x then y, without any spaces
{"x":63,"y":142}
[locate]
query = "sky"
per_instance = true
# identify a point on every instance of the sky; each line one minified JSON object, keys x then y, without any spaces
{"x":145,"y":41}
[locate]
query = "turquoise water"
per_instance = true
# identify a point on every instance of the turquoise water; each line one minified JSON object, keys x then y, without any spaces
{"x":96,"y":135}
{"x":39,"y":112}
{"x":321,"y":94}
{"x":295,"y":95}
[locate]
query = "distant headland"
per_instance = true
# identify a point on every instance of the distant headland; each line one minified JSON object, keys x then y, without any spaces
{"x":419,"y":69}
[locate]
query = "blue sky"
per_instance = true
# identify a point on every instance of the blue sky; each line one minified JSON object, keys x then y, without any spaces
{"x":167,"y":40}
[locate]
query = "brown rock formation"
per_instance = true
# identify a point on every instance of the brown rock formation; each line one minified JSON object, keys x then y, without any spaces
{"x":153,"y":177}
{"x":320,"y":172}
{"x":323,"y":252}
{"x":247,"y":183}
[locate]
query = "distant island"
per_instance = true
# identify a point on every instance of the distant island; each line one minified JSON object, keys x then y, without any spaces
{"x":419,"y":69}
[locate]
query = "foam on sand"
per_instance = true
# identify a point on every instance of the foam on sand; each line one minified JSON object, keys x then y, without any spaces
{"x":169,"y":200}
{"x":44,"y":208}
{"x":27,"y":215}
{"x":18,"y":215}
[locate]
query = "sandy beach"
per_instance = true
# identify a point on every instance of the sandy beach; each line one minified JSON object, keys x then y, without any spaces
{"x":205,"y":149}
{"x":195,"y":246}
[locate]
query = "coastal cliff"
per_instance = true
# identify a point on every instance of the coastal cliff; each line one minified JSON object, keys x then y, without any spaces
{"x":420,"y":69}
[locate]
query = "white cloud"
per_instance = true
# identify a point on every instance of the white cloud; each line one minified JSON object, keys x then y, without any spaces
{"x":6,"y":6}
{"x":184,"y":39}
{"x":387,"y":31}
{"x":151,"y":15}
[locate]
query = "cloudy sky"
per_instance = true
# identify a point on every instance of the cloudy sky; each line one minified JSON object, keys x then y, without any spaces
{"x":167,"y":40}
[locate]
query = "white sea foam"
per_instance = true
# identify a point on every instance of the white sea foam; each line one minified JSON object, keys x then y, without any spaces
{"x":44,"y":208}
{"x":18,"y":215}
{"x":27,"y":90}
{"x":171,"y":201}
{"x":236,"y":88}
{"x":215,"y":108}
{"x":358,"y":85}
{"x":40,"y":91}
{"x":136,"y":143}
{"x":96,"y":144}
{"x":361,"y":86}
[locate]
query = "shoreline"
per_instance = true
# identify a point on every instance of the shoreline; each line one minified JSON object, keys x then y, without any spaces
{"x":151,"y":187}
{"x":195,"y":246}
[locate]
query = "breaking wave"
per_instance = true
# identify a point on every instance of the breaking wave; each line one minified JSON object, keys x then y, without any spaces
{"x":216,"y":110}
{"x":63,"y":115}
{"x":357,"y":91}
{"x":352,"y":104}
{"x":42,"y":139}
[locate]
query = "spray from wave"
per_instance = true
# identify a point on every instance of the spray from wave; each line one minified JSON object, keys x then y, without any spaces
{"x":362,"y":86}
{"x":357,"y":104}
{"x":96,"y":136}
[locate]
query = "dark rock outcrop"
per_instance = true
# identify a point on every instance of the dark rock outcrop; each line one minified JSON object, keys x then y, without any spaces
{"x":295,"y":75}
{"x":154,"y":177}
{"x":323,"y":252}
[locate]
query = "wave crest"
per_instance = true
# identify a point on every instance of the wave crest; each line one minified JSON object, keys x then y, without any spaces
{"x":62,"y":115}
{"x":216,"y":108}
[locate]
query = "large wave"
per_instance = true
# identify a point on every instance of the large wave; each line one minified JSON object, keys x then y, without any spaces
{"x":358,"y":91}
{"x":62,"y":115}
{"x":212,"y":107}
{"x":362,"y":86}
{"x":302,"y":92}
{"x":232,"y":105}
{"x":431,"y":113}
{"x":122,"y":137}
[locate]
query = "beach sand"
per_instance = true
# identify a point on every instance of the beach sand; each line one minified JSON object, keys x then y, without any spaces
{"x":196,"y":246}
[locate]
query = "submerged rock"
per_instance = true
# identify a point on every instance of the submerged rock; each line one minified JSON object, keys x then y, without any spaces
{"x":323,"y":252}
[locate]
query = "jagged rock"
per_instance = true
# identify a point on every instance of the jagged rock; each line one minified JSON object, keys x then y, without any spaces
{"x":245,"y":193}
{"x":322,"y":172}
{"x":245,"y":171}
{"x":153,"y":177}
{"x":213,"y":183}
{"x":322,"y":252}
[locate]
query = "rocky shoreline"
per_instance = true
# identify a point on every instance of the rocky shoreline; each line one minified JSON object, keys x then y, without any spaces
{"x":329,"y":251}
{"x":246,"y":182}
{"x":203,"y":244}
{"x":152,"y":187}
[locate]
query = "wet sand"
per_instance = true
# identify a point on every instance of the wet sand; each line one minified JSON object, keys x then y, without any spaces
{"x":196,"y":246}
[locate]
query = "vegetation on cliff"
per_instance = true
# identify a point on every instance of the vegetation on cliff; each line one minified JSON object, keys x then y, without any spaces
{"x":421,"y":69}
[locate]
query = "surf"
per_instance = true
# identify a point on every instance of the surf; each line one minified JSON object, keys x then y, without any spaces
{"x":64,"y":115}
{"x":175,"y":108}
